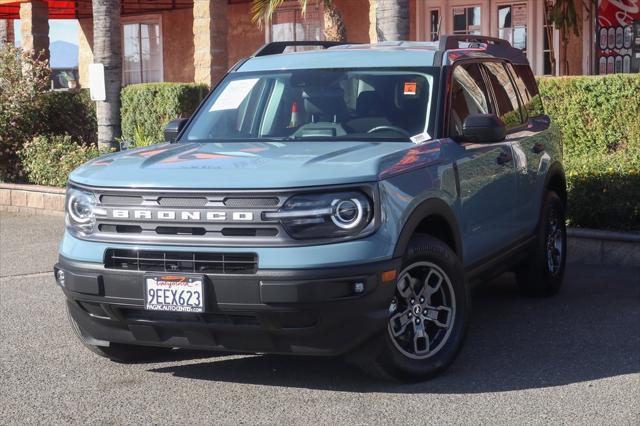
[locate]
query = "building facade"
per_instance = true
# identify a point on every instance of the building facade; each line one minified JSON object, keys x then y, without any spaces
{"x":198,"y":40}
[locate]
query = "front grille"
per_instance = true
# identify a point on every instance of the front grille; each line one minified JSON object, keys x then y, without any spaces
{"x":182,"y":201}
{"x":251,"y":202}
{"x":193,"y":262}
{"x":121,"y":200}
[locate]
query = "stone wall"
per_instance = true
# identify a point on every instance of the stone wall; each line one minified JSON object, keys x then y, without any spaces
{"x":244,"y":37}
{"x":356,"y":18}
{"x":177,"y":43}
{"x":32,"y":199}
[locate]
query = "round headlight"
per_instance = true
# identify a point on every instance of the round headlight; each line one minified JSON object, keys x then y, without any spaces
{"x":80,"y":217}
{"x":81,"y":207}
{"x":347,"y":214}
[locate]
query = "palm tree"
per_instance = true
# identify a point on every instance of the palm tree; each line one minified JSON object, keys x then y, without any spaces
{"x":392,"y":20}
{"x":334,"y":28}
{"x":106,"y":51}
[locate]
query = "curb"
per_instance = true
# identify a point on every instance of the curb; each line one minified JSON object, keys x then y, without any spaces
{"x":596,"y":247}
{"x":585,"y":246}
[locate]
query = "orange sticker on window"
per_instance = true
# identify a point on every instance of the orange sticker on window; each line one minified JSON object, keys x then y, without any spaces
{"x":410,"y":88}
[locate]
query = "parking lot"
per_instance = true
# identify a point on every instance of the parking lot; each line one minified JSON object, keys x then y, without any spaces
{"x":571,"y":359}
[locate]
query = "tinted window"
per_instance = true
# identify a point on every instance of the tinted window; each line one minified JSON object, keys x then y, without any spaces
{"x":528,"y":89}
{"x":508,"y":108}
{"x":468,"y":96}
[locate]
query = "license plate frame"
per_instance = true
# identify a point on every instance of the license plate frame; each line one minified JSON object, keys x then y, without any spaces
{"x":187,"y":291}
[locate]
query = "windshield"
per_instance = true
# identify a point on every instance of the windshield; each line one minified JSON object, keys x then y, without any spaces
{"x":314,"y":104}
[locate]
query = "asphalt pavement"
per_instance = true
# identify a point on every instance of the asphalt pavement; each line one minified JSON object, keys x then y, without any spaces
{"x":572,"y":359}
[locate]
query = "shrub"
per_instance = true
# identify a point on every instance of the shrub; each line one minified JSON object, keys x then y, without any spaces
{"x":600,"y":121}
{"x":48,"y":160}
{"x":23,"y":80}
{"x":147,"y":108}
{"x":72,"y":113}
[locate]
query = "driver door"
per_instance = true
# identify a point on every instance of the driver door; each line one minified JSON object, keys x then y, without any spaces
{"x":486,"y":172}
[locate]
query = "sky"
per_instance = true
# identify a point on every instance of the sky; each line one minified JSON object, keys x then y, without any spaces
{"x":59,"y":30}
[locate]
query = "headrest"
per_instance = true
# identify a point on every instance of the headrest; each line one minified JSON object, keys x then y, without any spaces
{"x":326,"y":101}
{"x":369,"y":104}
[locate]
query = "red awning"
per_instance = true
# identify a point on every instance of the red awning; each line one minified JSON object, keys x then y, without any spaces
{"x":60,"y":9}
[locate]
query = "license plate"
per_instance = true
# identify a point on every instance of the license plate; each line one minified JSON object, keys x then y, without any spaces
{"x":177,"y":293}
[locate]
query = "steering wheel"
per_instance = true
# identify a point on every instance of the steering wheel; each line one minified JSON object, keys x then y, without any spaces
{"x":392,"y":128}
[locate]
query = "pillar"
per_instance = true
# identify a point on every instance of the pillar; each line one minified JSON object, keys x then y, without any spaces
{"x":210,"y":56}
{"x":34,"y":27}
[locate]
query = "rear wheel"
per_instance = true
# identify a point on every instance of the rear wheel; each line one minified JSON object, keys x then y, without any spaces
{"x":428,"y":315}
{"x":118,"y":352}
{"x":543,"y":272}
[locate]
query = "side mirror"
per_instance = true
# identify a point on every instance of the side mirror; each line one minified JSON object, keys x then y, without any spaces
{"x":483,"y":128}
{"x":173,"y":128}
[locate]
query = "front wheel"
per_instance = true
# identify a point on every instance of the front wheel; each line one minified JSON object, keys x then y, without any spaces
{"x":428,"y":315}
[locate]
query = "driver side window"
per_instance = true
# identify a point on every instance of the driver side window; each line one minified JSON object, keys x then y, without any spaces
{"x":468,"y":96}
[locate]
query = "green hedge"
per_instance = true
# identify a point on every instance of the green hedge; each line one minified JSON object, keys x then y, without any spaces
{"x":147,"y":108}
{"x":600,"y":121}
{"x":72,"y":113}
{"x":48,"y":160}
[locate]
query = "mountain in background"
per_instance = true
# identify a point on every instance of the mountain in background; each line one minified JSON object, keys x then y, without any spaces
{"x":63,"y":54}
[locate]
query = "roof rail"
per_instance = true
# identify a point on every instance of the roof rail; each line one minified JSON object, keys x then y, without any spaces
{"x":277,"y":47}
{"x":448,"y":42}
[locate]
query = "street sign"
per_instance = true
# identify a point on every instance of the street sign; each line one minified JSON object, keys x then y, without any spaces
{"x":96,"y":82}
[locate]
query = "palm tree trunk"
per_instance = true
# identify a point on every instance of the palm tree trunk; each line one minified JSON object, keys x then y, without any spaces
{"x":392,"y":20}
{"x":334,"y":28}
{"x":106,"y":51}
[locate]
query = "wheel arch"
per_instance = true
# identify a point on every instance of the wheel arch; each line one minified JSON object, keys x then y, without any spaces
{"x":431,"y":217}
{"x":555,"y":180}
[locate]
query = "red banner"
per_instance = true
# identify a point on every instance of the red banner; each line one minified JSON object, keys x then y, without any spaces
{"x":617,"y":43}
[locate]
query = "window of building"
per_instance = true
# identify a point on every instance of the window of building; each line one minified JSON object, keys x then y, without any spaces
{"x":434,"y":24}
{"x":468,"y":96}
{"x":288,"y":24}
{"x":142,"y":51}
{"x":512,"y":24}
{"x":507,"y":105}
{"x":466,"y":20}
{"x":547,"y":34}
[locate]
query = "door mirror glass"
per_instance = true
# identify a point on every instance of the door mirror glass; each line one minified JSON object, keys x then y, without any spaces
{"x":173,"y":128}
{"x":483,"y":128}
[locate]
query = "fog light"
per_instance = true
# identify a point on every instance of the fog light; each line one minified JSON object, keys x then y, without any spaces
{"x":60,"y":277}
{"x":358,"y":287}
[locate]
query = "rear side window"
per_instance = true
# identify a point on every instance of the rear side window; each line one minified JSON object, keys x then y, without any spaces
{"x":468,"y":96}
{"x":507,"y":105}
{"x":528,"y":89}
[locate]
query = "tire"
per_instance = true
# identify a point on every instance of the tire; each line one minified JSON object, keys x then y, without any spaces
{"x":542,"y":274}
{"x":401,"y":353}
{"x":118,"y":352}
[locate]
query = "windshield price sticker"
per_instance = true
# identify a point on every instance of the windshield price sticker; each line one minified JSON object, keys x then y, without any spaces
{"x":410,"y":88}
{"x":233,"y":95}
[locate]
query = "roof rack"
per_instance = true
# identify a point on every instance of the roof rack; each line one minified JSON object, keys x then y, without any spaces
{"x":492,"y":45}
{"x":277,"y":47}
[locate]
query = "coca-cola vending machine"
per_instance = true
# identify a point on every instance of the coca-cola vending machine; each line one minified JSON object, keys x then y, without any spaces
{"x":618,"y":36}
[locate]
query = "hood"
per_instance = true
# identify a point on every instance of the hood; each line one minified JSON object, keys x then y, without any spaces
{"x":237,"y":165}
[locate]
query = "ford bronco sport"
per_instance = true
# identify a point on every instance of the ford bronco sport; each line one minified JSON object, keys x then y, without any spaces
{"x":323,"y":202}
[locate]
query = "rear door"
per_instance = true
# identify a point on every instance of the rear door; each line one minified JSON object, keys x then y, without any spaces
{"x":523,"y":136}
{"x":486,"y":172}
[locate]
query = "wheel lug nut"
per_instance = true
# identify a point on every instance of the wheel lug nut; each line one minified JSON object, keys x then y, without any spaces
{"x":410,"y":315}
{"x":413,"y":301}
{"x":422,"y":300}
{"x":417,"y":320}
{"x":425,"y":312}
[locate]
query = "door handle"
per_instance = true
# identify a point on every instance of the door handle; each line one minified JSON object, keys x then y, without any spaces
{"x":503,"y":158}
{"x":538,"y":147}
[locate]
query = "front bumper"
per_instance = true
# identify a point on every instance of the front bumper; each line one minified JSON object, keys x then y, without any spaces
{"x":303,"y":311}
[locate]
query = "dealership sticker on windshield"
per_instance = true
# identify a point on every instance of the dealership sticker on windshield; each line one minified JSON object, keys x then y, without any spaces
{"x":410,"y":88}
{"x":233,"y":95}
{"x":420,"y":137}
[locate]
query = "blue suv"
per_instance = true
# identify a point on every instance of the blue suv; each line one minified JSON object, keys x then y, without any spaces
{"x":333,"y":201}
